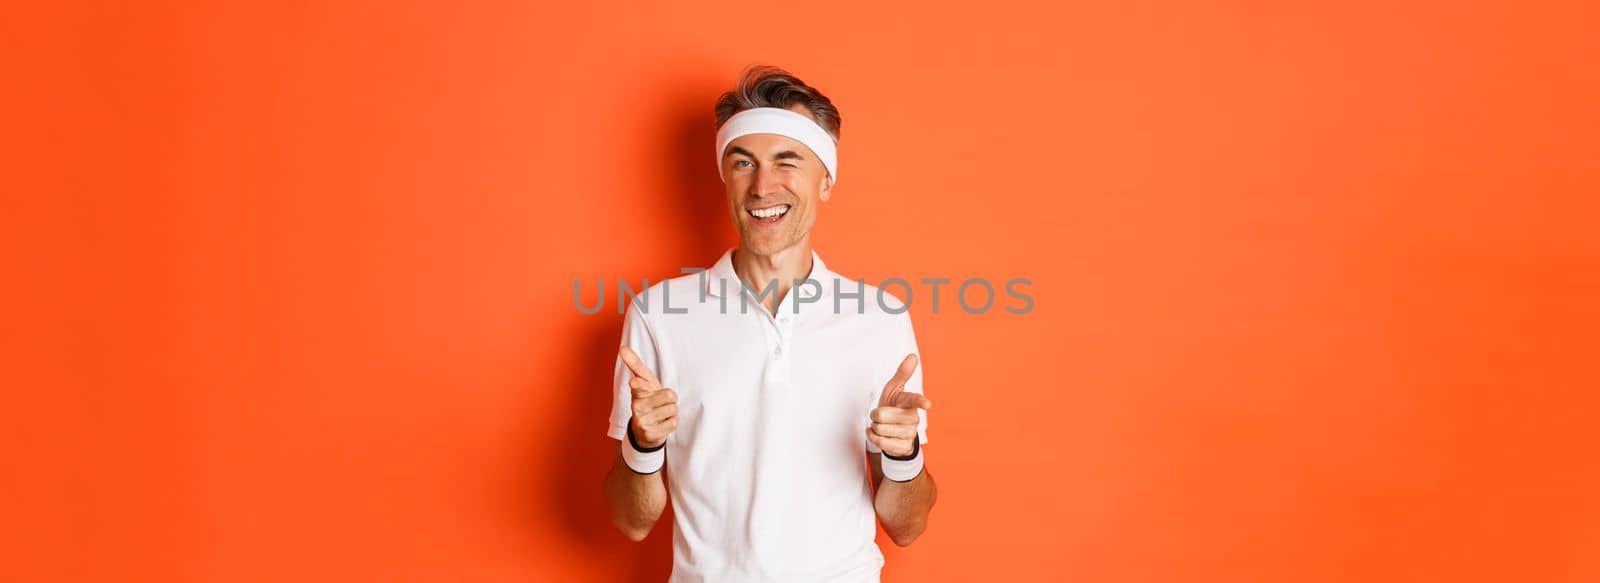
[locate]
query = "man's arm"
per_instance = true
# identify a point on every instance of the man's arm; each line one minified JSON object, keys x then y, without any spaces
{"x":902,"y":506}
{"x":636,"y":499}
{"x":637,"y":495}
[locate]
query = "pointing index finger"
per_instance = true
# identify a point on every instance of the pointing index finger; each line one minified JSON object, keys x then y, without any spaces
{"x":912,"y":401}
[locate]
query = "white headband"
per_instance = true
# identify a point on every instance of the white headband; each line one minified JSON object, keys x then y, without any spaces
{"x":783,"y":122}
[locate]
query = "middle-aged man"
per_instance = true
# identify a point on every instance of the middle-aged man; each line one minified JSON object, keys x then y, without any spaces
{"x":760,"y":382}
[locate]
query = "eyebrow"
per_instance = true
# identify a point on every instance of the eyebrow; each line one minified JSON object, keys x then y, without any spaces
{"x":784,"y":155}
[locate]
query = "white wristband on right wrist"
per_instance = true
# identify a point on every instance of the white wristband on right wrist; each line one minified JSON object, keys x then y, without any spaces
{"x":642,"y":461}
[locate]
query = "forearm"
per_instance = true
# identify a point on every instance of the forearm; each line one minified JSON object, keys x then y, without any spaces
{"x":636,"y":500}
{"x":903,"y":507}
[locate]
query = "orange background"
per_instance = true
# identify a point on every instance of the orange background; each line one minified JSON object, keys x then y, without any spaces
{"x":288,"y":287}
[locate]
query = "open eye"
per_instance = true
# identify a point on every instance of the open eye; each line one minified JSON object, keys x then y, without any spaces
{"x":736,"y":163}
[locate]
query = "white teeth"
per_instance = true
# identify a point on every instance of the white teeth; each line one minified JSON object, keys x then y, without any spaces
{"x":768,"y":213}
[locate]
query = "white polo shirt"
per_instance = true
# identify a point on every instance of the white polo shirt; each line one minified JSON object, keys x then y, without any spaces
{"x":766,"y":470}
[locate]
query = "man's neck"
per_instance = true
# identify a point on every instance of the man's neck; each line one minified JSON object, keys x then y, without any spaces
{"x":782,"y":268}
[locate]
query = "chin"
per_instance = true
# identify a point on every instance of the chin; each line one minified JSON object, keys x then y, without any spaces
{"x":765,"y":246}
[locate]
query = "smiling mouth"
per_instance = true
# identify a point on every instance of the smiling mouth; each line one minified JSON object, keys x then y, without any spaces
{"x":771,"y":214}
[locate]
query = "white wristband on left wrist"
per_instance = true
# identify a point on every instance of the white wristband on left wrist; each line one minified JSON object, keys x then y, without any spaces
{"x":904,"y":468}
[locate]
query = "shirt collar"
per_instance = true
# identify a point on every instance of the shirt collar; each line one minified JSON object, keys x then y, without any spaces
{"x":722,"y":276}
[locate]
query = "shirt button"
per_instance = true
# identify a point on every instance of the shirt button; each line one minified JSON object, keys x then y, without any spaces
{"x":778,"y":351}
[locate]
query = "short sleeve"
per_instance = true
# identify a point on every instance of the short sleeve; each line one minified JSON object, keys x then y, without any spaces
{"x":907,"y":344}
{"x":636,"y":334}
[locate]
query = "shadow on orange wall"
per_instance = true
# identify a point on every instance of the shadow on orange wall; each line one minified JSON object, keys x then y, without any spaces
{"x":571,"y":481}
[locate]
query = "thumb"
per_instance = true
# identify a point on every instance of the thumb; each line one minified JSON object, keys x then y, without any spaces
{"x":636,"y":365}
{"x":893,"y":388}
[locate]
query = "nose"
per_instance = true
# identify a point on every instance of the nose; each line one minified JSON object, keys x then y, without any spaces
{"x":764,"y":183}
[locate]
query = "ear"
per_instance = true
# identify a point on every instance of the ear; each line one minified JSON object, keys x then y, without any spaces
{"x":827,"y":187}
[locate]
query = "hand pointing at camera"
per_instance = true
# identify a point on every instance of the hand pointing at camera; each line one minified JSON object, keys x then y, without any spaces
{"x":655,"y":408}
{"x":894,"y":421}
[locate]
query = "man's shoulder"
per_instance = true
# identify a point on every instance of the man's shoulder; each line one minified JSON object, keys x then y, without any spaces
{"x":875,"y":300}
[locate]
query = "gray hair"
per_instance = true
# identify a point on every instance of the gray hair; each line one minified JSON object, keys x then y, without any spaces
{"x":769,"y":86}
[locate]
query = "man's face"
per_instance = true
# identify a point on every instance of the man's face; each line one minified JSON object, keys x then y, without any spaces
{"x":774,"y":186}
